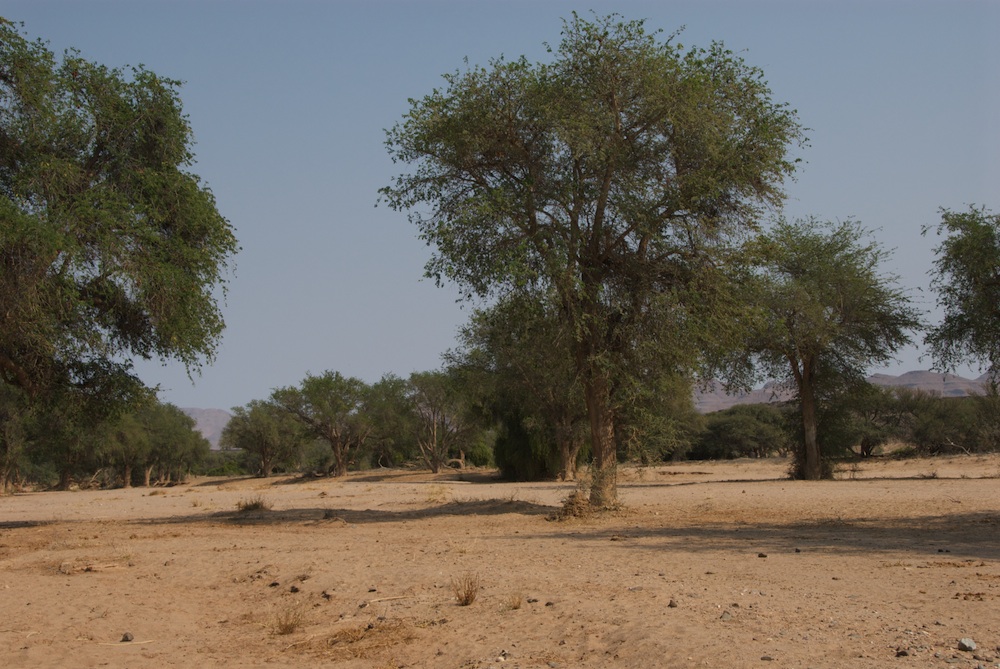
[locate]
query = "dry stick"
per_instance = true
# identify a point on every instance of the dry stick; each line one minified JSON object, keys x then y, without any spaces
{"x":386,"y":599}
{"x":124,"y":644}
{"x":297,"y":643}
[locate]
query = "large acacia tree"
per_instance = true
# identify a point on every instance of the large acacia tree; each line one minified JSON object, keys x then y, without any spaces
{"x":612,"y":175}
{"x":827,"y":313}
{"x":109,"y":246}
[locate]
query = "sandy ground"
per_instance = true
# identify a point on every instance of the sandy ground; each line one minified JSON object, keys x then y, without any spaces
{"x":709,"y":564}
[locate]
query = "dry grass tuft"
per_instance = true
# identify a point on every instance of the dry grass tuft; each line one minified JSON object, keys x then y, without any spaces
{"x":254,"y":504}
{"x":513,"y":601}
{"x":289,"y":619}
{"x":438,"y":494}
{"x":466,"y":588}
{"x":369,"y":639}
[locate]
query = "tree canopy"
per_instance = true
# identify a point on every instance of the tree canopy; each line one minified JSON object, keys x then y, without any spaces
{"x":966,"y":277}
{"x":825,"y":314}
{"x":614,"y":175}
{"x":109,"y":247}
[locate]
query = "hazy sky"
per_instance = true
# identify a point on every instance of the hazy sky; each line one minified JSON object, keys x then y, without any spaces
{"x":289,"y":101}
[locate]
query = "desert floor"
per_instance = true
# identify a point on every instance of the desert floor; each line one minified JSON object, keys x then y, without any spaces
{"x":709,"y":564}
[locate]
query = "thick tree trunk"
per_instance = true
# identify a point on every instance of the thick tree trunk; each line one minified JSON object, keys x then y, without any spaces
{"x":127,"y":477}
{"x":604,"y":477}
{"x":148,"y":475}
{"x":812,"y":467}
{"x":339,"y":461}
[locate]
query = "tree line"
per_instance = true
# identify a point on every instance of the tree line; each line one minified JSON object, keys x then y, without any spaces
{"x":612,"y":214}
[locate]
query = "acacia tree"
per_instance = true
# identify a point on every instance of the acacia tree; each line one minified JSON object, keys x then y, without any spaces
{"x":442,"y":423}
{"x":109,"y":247}
{"x":826,"y":315}
{"x":966,"y":277}
{"x":612,"y":175}
{"x":175,"y":444}
{"x":389,"y":409}
{"x":330,"y":407}
{"x":266,"y":432}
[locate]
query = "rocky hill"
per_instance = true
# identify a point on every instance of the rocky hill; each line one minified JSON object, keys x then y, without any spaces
{"x":210,"y":422}
{"x":947,"y":385}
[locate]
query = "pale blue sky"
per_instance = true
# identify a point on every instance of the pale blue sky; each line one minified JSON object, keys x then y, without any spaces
{"x":289,"y":101}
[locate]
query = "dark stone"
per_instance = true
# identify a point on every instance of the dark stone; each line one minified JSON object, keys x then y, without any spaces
{"x":127,"y":637}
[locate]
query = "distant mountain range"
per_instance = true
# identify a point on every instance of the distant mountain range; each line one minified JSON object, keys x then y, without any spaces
{"x":211,"y":422}
{"x":946,"y":385}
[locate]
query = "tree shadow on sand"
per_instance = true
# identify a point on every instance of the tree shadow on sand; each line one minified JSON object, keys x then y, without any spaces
{"x":971,"y":536}
{"x":319,"y":515}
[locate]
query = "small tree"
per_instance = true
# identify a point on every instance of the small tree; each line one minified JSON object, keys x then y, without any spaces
{"x":265,"y":432}
{"x":330,"y":407}
{"x":966,"y":277}
{"x":825,"y":315}
{"x":742,"y":431}
{"x":389,"y":409}
{"x":442,"y":420}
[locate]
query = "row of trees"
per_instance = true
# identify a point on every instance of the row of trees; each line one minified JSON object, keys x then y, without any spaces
{"x":859,"y":424}
{"x":428,"y":417}
{"x":80,"y":442}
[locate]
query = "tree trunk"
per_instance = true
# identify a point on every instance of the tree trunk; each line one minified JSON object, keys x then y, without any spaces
{"x":148,"y":475}
{"x":127,"y":476}
{"x":604,"y":478}
{"x":65,"y":479}
{"x":339,"y":460}
{"x":812,"y":468}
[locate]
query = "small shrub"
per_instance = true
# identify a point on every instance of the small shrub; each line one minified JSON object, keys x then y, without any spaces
{"x":577,"y":505}
{"x":289,"y":619}
{"x":466,"y":588}
{"x":513,"y":601}
{"x":257,"y":503}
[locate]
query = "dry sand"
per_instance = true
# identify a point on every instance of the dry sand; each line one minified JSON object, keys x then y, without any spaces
{"x":709,"y":564}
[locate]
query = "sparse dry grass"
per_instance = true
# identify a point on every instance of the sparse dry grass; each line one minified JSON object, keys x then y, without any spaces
{"x":289,"y":618}
{"x":466,"y":588}
{"x":254,"y":503}
{"x":438,"y":494}
{"x":513,"y":601}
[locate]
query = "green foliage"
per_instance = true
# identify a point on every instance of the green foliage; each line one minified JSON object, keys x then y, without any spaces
{"x":390,"y":411}
{"x":109,"y":247}
{"x":824,"y":315}
{"x":743,"y":431}
{"x":966,"y":278}
{"x":613,"y":177}
{"x":267,"y":433}
{"x":517,"y":359}
{"x":444,"y":421}
{"x":330,"y":407}
{"x":15,"y":422}
{"x":223,"y":463}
